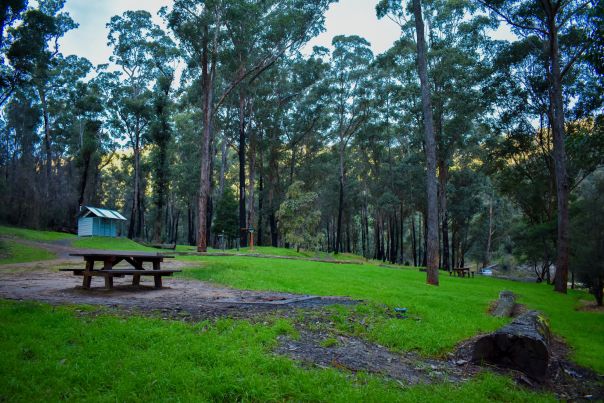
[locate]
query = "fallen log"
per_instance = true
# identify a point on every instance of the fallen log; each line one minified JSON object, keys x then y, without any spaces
{"x":504,"y":306}
{"x":521,"y":345}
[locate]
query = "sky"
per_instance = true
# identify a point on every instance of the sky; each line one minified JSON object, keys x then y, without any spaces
{"x":347,"y":17}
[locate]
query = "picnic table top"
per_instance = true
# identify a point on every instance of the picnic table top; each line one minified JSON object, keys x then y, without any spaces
{"x":119,"y":253}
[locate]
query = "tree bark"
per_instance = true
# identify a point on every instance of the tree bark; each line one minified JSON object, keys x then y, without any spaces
{"x":522,"y":345}
{"x":430,"y":148}
{"x":241,"y":153}
{"x":223,"y":165}
{"x":251,"y":215}
{"x":207,"y":83}
{"x":47,"y":148}
{"x":487,"y":255}
{"x":442,"y":180}
{"x":562,"y":184}
{"x":340,"y":197}
{"x":413,"y":240}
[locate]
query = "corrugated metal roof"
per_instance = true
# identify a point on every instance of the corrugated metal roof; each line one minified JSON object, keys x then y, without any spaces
{"x":105,"y":213}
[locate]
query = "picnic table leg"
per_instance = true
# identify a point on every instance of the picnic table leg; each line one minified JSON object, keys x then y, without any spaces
{"x":87,"y":276}
{"x":108,"y":277}
{"x":158,"y":277}
{"x":136,"y":279}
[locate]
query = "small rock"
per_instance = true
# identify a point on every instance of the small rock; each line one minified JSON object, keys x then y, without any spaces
{"x":461,"y":362}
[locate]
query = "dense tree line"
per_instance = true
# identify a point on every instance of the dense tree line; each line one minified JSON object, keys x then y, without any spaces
{"x":449,"y":147}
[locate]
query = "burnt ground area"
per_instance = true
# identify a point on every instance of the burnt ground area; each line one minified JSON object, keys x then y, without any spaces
{"x":319,"y":343}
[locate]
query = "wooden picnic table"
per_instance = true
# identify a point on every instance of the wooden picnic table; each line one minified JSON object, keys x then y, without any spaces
{"x":461,"y":272}
{"x":110,"y":259}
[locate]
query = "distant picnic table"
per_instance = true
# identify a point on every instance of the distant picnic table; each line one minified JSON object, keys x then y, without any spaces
{"x":110,"y":259}
{"x":461,"y":272}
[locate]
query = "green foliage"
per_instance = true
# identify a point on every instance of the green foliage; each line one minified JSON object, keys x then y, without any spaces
{"x":454,"y":311}
{"x":16,"y":252}
{"x":299,"y":218}
{"x":226,"y":220}
{"x":50,"y":354}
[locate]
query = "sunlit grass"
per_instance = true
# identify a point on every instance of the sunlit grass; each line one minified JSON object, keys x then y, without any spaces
{"x":34,"y":235}
{"x":447,"y":314}
{"x":15,"y":252}
{"x":109,"y":243}
{"x":51,"y":354}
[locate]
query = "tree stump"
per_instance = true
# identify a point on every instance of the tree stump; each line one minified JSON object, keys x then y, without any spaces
{"x":504,"y":305}
{"x":521,"y":345}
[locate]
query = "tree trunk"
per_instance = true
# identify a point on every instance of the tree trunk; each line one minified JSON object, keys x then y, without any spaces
{"x":251,"y":216}
{"x":47,"y":148}
{"x":206,"y":154}
{"x":522,"y":345}
{"x":135,"y":226}
{"x":442,"y":179}
{"x":223,"y":165}
{"x":487,"y":255}
{"x":340,"y":198}
{"x":559,"y":152}
{"x":413,"y":240}
{"x":241,"y":151}
{"x":430,"y":148}
{"x":504,"y":307}
{"x":191,"y":224}
{"x":260,"y":202}
{"x":598,"y":290}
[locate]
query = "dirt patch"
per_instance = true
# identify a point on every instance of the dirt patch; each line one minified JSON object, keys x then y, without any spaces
{"x":590,"y":306}
{"x":353,"y":354}
{"x":40,"y":281}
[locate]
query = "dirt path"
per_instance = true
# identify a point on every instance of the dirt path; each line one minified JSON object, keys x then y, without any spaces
{"x":41,"y":281}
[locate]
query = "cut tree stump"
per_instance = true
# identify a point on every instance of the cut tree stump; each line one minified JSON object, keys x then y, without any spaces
{"x":521,"y":345}
{"x":504,"y":307}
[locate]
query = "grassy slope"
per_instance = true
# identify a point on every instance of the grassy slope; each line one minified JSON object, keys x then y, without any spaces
{"x":272,"y":251}
{"x":111,"y":244}
{"x":107,"y":358}
{"x":452,"y":312}
{"x":15,"y":252}
{"x":34,"y":235}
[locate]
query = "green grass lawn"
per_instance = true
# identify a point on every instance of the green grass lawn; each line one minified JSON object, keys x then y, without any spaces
{"x":273,"y":251}
{"x":52,"y":354}
{"x":452,"y":312}
{"x":111,"y":244}
{"x":57,"y":353}
{"x":15,"y":252}
{"x":34,"y":235}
